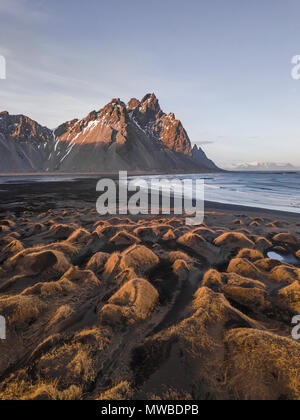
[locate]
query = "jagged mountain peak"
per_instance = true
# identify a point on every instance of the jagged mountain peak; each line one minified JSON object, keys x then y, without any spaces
{"x":24,"y":144}
{"x":137,"y":136}
{"x":23,"y":128}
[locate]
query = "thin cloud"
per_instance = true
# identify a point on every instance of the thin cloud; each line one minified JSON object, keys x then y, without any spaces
{"x":203,"y":143}
{"x":22,"y":8}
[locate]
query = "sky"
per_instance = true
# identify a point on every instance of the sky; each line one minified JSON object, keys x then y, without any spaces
{"x":223,"y":67}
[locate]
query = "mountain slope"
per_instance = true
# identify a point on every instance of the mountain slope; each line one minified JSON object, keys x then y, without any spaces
{"x":138,"y":136}
{"x":24,"y":144}
{"x":199,"y":155}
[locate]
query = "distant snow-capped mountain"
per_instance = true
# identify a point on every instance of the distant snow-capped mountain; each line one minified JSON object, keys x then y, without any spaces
{"x":262,"y":166}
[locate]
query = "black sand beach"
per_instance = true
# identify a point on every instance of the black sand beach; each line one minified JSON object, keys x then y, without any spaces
{"x":144,"y":307}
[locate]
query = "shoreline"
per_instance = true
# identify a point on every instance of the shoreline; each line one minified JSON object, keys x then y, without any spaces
{"x":84,"y":190}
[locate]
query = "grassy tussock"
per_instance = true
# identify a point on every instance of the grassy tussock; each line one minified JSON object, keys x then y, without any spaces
{"x":21,"y":310}
{"x":25,"y":389}
{"x":133,"y":302}
{"x":290,"y":297}
{"x":250,"y":254}
{"x":120,"y":392}
{"x":245,"y":268}
{"x":233,"y":241}
{"x":263,"y":365}
{"x":140,"y":258}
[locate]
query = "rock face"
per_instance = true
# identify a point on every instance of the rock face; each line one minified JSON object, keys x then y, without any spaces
{"x":148,"y":115}
{"x":24,"y":144}
{"x":200,"y":157}
{"x":138,"y":136}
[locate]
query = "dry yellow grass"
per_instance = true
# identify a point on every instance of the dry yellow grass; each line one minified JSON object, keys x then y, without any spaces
{"x":78,"y":331}
{"x":245,"y":268}
{"x":25,"y":389}
{"x":80,"y":236}
{"x":97,"y":262}
{"x":38,"y":261}
{"x":262,"y":244}
{"x":120,"y":392}
{"x":132,"y":303}
{"x":290,"y":297}
{"x":285,"y":275}
{"x":21,"y":310}
{"x":233,"y":241}
{"x":286,"y":238}
{"x":13,"y":248}
{"x":124,"y":238}
{"x":267,"y":264}
{"x":62,"y":313}
{"x":262,"y":365}
{"x":179,"y":255}
{"x":213,"y":280}
{"x":172,"y":394}
{"x":250,"y":254}
{"x":198,"y":245}
{"x":77,"y":362}
{"x":253,"y":298}
{"x":182,"y":269}
{"x":140,"y":258}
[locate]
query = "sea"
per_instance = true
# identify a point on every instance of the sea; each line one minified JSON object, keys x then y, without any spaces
{"x":267,"y":190}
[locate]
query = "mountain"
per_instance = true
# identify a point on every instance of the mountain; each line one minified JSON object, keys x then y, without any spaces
{"x":138,"y":136}
{"x":263,"y":166}
{"x":199,"y":155}
{"x":24,"y":144}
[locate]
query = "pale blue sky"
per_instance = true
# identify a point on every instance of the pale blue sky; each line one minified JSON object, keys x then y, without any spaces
{"x":223,"y":67}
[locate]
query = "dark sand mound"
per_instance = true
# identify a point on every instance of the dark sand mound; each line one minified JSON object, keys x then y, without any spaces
{"x":245,"y":268}
{"x":267,"y":264}
{"x":97,"y":262}
{"x":132,"y":303}
{"x":11,"y":249}
{"x":250,"y":254}
{"x":60,"y":232}
{"x":285,"y":274}
{"x":147,"y":307}
{"x":206,"y":233}
{"x":124,"y":238}
{"x":147,"y":234}
{"x":121,"y":392}
{"x":290,"y":297}
{"x":233,"y":241}
{"x":193,"y":350}
{"x":182,"y":270}
{"x":178,"y":255}
{"x":169,"y":236}
{"x":262,"y":365}
{"x":140,"y":258}
{"x":286,"y":239}
{"x":80,"y":236}
{"x":202,"y":248}
{"x":50,"y":263}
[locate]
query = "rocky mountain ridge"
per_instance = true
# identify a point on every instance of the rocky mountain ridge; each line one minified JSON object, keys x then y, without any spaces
{"x":138,"y":136}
